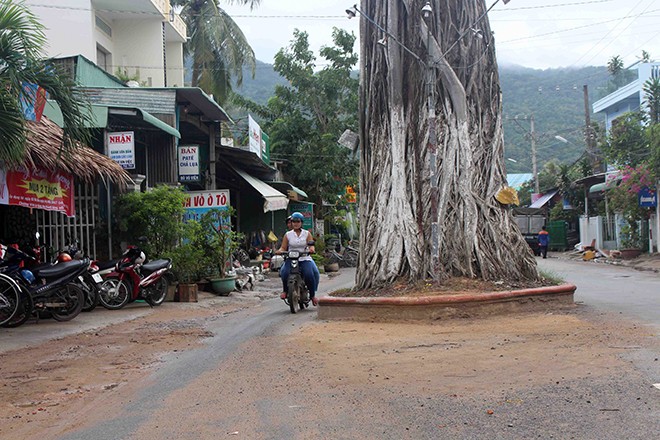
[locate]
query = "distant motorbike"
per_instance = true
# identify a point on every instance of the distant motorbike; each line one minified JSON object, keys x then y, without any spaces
{"x":297,"y":295}
{"x":133,"y":279}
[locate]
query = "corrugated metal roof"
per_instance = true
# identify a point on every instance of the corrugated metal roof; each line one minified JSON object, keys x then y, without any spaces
{"x":89,"y":74}
{"x":545,"y":198}
{"x":159,"y":101}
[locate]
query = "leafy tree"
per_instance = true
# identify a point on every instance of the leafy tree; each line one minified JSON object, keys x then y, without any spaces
{"x":623,"y":199}
{"x":217,"y":46}
{"x":156,"y":215}
{"x":21,"y":40}
{"x":306,"y":118}
{"x":626,"y":143}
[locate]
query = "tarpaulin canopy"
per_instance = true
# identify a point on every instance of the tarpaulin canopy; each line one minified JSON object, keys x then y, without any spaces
{"x":273,"y":199}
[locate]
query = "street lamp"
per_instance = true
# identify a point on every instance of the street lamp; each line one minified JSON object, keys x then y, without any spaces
{"x":427,"y":10}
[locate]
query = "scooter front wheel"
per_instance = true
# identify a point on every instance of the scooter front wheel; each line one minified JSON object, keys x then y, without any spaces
{"x":293,"y":296}
{"x":114,"y":293}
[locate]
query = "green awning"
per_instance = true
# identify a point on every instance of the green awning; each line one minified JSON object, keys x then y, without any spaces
{"x":601,"y":187}
{"x":99,"y":117}
{"x":146,"y":117}
{"x":151,"y":119}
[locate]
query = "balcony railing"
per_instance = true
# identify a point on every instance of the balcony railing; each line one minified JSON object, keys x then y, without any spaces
{"x":163,"y":6}
{"x":179,"y":26}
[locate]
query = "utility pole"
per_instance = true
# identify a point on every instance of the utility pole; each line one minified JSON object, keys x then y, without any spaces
{"x":590,"y":138}
{"x":534,"y":169}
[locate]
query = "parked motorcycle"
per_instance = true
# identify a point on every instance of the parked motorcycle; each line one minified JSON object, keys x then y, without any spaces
{"x":90,"y":281}
{"x":47,"y":289}
{"x":133,"y":279}
{"x":297,"y":295}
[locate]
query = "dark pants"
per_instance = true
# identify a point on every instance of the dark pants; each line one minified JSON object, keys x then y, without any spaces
{"x":544,"y":251}
{"x":310,"y":274}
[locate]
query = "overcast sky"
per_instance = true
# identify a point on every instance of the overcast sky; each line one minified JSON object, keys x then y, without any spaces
{"x":533,"y":33}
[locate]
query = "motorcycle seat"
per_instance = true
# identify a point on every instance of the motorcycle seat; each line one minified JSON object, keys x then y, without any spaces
{"x":60,"y":269}
{"x":155,"y":265}
{"x":102,"y":265}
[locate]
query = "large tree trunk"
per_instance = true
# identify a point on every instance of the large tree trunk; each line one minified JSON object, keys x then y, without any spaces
{"x":400,"y":169}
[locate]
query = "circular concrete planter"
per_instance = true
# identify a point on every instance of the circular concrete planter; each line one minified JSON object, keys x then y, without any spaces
{"x":445,"y":306}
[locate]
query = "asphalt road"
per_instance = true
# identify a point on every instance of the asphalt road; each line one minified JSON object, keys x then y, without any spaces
{"x":631,"y":293}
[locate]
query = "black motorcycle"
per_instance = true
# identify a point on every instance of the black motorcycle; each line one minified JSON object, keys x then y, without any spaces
{"x":47,"y":290}
{"x":90,"y":281}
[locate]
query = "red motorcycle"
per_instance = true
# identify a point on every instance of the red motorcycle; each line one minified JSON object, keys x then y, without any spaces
{"x":134,"y":279}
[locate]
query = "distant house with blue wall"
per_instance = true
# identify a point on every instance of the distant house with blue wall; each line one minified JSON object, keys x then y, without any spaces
{"x":628,"y":98}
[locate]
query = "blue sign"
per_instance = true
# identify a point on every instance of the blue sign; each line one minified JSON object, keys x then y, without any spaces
{"x":647,"y":198}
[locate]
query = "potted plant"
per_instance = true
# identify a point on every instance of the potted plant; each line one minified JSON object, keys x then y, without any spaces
{"x":188,"y":261}
{"x":219,"y":243}
{"x":631,"y":240}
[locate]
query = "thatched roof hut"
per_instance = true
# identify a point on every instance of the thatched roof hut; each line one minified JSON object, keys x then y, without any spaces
{"x":44,"y":149}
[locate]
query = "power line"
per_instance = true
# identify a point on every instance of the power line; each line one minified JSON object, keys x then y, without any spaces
{"x":617,"y":20}
{"x":520,"y":8}
{"x":611,"y":30}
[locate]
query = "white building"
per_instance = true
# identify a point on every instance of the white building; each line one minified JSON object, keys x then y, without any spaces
{"x":628,"y":98}
{"x":140,"y":38}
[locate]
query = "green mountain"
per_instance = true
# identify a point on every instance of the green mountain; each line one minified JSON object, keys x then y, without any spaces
{"x":260,"y":88}
{"x":554,"y":97}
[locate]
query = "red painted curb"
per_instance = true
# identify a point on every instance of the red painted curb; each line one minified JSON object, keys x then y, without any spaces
{"x":446,"y":299}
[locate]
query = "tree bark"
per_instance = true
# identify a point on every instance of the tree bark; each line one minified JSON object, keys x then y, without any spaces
{"x":477,"y":236}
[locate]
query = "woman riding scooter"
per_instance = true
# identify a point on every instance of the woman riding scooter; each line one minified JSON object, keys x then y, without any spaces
{"x":301,"y":240}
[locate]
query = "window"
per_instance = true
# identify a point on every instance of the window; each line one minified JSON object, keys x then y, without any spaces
{"x":103,"y":59}
{"x":103,"y":26}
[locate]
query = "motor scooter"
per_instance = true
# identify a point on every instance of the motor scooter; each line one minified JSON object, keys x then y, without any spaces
{"x":133,"y":279}
{"x":90,"y":282}
{"x":49,"y":289}
{"x":297,"y":294}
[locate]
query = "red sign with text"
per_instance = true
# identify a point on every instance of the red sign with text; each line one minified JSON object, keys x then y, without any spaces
{"x":41,"y":189}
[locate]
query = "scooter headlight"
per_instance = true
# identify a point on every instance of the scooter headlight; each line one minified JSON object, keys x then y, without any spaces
{"x":294,"y":254}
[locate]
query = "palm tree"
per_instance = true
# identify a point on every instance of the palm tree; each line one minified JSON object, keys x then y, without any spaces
{"x":651,"y":89}
{"x":217,"y":46}
{"x":615,"y":65}
{"x":21,"y":38}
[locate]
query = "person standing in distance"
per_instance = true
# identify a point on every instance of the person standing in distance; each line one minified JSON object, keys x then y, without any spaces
{"x":544,"y":241}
